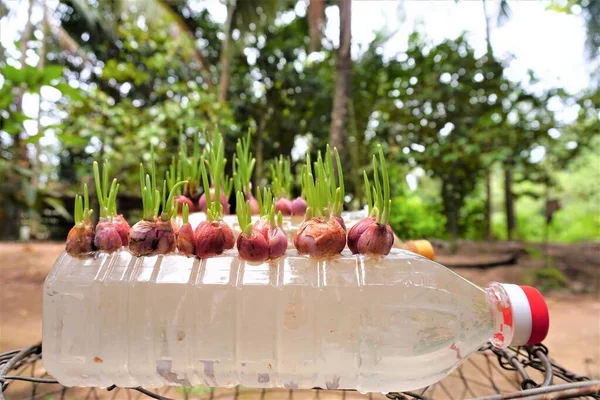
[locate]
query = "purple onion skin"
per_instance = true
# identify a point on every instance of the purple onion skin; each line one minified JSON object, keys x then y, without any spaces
{"x":340,"y":221}
{"x":277,"y":243}
{"x":123,"y":228}
{"x":149,"y":238}
{"x":377,"y":240}
{"x":80,"y":241}
{"x":254,"y":207}
{"x":298,"y":206}
{"x":369,"y":237}
{"x":142,"y":238}
{"x":166,"y":235}
{"x":284,"y":205}
{"x":209,"y":239}
{"x":254,"y":248}
{"x":224,"y":202}
{"x":262,"y":226}
{"x":107,"y":237}
{"x":356,"y":231}
{"x":228,"y":234}
{"x":320,"y":238}
{"x":180,"y":201}
{"x":185,"y":240}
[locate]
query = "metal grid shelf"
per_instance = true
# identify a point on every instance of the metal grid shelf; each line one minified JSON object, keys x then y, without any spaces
{"x":515,"y":373}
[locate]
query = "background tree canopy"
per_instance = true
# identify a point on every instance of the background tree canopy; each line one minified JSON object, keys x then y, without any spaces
{"x":115,"y":77}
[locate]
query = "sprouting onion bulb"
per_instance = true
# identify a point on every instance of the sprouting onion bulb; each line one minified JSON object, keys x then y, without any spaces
{"x":373,"y":235}
{"x":243,"y":214}
{"x":185,"y":235}
{"x":252,"y":245}
{"x":153,"y":234}
{"x":282,"y":179}
{"x":213,"y":236}
{"x":265,"y":204}
{"x":107,"y":237}
{"x":324,"y":195}
{"x":322,"y":234}
{"x":80,"y":240}
{"x":212,"y":164}
{"x":265,"y":239}
{"x":173,"y":175}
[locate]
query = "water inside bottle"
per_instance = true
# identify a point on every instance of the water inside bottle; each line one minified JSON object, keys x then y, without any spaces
{"x":390,"y":323}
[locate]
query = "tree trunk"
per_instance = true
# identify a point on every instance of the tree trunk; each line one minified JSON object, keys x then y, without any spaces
{"x":509,"y":202}
{"x":343,"y":80}
{"x":316,"y":20}
{"x":488,"y":203}
{"x":451,"y":211}
{"x":225,"y":59}
{"x":35,"y":162}
{"x":20,"y":148}
{"x":258,"y":149}
{"x":488,"y":176}
{"x":488,"y":39}
{"x":355,"y":149}
{"x":11,"y":220}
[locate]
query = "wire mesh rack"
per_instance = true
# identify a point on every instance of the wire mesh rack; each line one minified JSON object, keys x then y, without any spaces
{"x":515,"y":373}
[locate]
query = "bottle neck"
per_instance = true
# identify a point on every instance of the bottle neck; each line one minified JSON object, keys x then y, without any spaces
{"x":502,"y":314}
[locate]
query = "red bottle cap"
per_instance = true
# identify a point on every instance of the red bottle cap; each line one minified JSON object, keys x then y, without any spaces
{"x":540,"y":318}
{"x":530,"y":316}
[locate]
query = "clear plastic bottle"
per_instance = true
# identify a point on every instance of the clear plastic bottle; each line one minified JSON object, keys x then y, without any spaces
{"x":392,"y":323}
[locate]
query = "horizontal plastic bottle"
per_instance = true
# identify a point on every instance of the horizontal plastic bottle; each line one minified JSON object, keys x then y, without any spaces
{"x":392,"y":323}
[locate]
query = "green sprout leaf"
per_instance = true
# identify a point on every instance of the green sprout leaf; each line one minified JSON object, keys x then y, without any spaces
{"x":185,"y":213}
{"x":265,"y":201}
{"x":214,"y":162}
{"x":169,"y":208}
{"x":243,"y":165}
{"x":107,"y":198}
{"x":153,"y":198}
{"x":378,"y":194}
{"x":188,"y":167}
{"x":324,"y":195}
{"x":281,"y":177}
{"x":82,"y":212}
{"x":244,"y":214}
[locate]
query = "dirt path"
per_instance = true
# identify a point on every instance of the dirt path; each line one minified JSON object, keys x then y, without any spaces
{"x":574,"y":338}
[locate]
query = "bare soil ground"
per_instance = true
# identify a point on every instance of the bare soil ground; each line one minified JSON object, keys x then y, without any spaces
{"x":574,"y":339}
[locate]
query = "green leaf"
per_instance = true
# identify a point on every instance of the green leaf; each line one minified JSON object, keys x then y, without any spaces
{"x":33,"y":77}
{"x":30,"y":194}
{"x":24,"y":171}
{"x":58,"y":206}
{"x":6,"y":99}
{"x":68,"y":90}
{"x":12,"y":128}
{"x":72,"y":140}
{"x":16,"y":75}
{"x":33,"y":139}
{"x":19,"y":117}
{"x":50,"y":73}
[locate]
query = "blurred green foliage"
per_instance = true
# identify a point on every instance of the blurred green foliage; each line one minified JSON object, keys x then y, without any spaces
{"x":136,"y":74}
{"x":545,"y":279}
